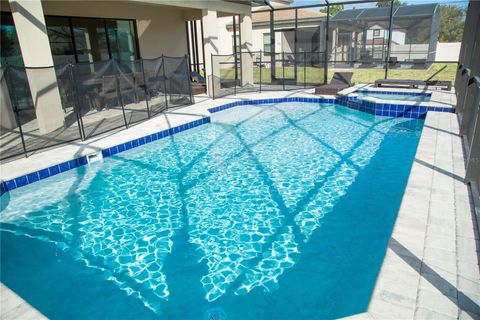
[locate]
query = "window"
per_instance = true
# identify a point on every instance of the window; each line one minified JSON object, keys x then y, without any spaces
{"x":121,"y":36}
{"x":376,"y":33}
{"x":267,"y":47}
{"x":61,"y":40}
{"x":90,"y":39}
{"x":10,"y":53}
{"x":238,"y":43}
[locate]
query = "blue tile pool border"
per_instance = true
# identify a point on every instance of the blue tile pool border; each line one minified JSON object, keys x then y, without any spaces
{"x":30,"y":178}
{"x":352,"y":102}
{"x":270,"y":101}
{"x":389,"y":110}
{"x":397,"y":110}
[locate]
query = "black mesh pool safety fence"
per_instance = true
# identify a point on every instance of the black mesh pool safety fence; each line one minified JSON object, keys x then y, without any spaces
{"x":266,"y":71}
{"x":45,"y":107}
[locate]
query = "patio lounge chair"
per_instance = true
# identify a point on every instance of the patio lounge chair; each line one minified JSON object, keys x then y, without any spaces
{"x":367,"y":62}
{"x":340,"y":81}
{"x":393,"y":63}
{"x":411,"y":84}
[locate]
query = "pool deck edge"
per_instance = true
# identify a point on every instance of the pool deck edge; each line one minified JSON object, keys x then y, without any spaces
{"x":431,"y":266}
{"x":14,"y":307}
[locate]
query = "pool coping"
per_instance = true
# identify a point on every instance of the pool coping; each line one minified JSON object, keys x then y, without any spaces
{"x":13,"y":176}
{"x":14,"y":307}
{"x":431,"y":269}
{"x":395,"y":108}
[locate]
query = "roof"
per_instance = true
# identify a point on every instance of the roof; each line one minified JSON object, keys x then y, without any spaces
{"x":283,"y":15}
{"x":420,"y":10}
{"x":378,"y":41}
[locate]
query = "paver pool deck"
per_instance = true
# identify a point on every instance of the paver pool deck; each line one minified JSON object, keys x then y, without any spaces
{"x":431,"y":266}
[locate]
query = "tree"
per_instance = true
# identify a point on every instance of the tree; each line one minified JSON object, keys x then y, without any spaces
{"x":451,"y":23}
{"x":386,"y":3}
{"x":334,"y":9}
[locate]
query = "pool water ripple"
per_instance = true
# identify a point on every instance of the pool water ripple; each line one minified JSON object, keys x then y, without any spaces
{"x":221,"y":216}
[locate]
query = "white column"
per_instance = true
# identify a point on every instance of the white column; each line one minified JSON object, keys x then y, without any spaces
{"x":33,"y":39}
{"x":7,"y":117}
{"x":211,"y":43}
{"x":246,"y":47}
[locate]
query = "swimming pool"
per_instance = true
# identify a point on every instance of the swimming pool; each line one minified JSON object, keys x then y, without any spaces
{"x":271,"y":211}
{"x":397,"y":96}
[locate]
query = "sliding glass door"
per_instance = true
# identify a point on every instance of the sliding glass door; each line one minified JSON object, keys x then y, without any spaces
{"x":122,"y":39}
{"x":10,"y":53}
{"x":75,"y":39}
{"x":90,"y":39}
{"x":61,"y":40}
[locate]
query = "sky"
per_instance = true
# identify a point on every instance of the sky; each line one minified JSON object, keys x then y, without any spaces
{"x":370,"y":5}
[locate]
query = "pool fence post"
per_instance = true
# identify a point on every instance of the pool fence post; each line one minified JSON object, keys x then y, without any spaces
{"x":260,"y":68}
{"x":187,"y":58}
{"x":15,"y":109}
{"x":119,"y":93}
{"x":213,"y":79}
{"x":144,"y":87}
{"x":77,"y":108}
{"x":164,"y":81}
{"x":304,"y":69}
{"x":283,"y":69}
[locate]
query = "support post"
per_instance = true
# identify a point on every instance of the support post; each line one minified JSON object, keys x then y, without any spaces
{"x":34,"y":44}
{"x":325,"y":56}
{"x":235,"y":53}
{"x":188,"y":43}
{"x":283,"y":70}
{"x":304,"y":69}
{"x":389,"y":43}
{"x":211,"y":44}
{"x":246,"y":48}
{"x":203,"y":49}
{"x":272,"y":46}
{"x":260,"y":68}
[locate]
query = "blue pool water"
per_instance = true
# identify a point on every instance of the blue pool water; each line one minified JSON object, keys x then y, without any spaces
{"x":270,"y":212}
{"x":399,"y":97}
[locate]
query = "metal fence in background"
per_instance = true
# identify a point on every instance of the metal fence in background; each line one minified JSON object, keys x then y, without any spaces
{"x":45,"y":107}
{"x":267,"y":72}
{"x":291,"y":71}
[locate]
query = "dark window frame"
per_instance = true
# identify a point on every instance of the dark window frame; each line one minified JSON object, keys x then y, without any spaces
{"x":104,"y":20}
{"x":268,"y":43}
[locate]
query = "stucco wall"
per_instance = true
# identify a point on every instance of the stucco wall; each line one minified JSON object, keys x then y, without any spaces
{"x":449,"y":51}
{"x":225,"y":38}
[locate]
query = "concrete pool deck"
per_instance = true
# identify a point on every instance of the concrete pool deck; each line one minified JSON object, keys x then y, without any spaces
{"x":430,"y":268}
{"x":14,"y":307}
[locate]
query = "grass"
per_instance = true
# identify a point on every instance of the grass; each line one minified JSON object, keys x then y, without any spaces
{"x":314,"y":75}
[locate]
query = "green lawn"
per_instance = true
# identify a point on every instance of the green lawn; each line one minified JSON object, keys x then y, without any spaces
{"x":315,"y":75}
